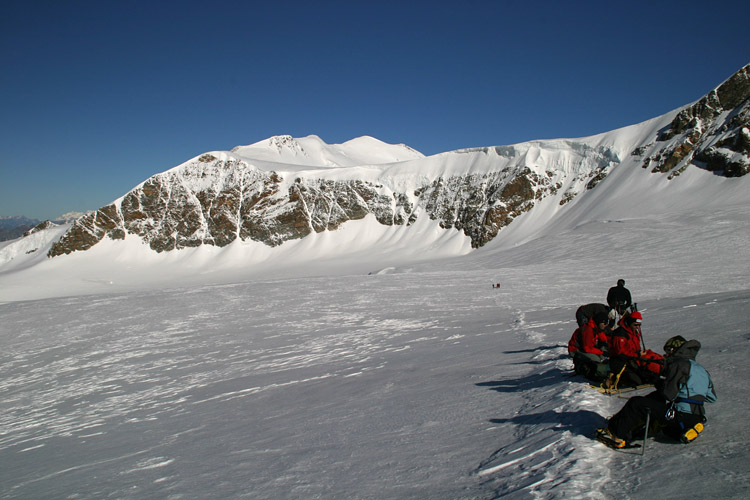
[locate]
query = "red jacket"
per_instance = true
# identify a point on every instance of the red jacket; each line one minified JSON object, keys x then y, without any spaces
{"x":625,"y":342}
{"x":587,"y":338}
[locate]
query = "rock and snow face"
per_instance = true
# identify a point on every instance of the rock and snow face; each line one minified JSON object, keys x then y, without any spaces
{"x":713,"y":133}
{"x":219,"y":197}
{"x":284,"y":188}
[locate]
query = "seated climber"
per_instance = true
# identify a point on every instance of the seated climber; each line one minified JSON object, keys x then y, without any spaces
{"x":630,"y":364}
{"x":619,"y":298}
{"x":675,"y":408}
{"x":589,"y":348}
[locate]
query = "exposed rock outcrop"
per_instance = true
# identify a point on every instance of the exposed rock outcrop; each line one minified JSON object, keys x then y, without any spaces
{"x":167,"y":214}
{"x":39,"y":227}
{"x":711,"y":134}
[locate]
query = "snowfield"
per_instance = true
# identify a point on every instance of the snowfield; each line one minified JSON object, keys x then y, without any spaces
{"x":405,"y":380}
{"x":377,"y":362}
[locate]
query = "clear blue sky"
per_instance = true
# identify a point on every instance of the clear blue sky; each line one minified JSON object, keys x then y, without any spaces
{"x":97,"y":96}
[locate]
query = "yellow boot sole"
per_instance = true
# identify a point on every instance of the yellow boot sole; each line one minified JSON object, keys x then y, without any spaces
{"x":693,"y":433}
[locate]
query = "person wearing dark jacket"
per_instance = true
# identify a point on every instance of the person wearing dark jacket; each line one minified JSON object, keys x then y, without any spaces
{"x":618,"y":297}
{"x":676,"y":407}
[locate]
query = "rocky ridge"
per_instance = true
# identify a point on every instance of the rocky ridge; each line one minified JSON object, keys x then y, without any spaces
{"x":221,"y":197}
{"x":713,"y":133}
{"x":216,"y":199}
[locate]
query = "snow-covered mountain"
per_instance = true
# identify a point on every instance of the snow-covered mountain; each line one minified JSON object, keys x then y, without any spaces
{"x":285,"y":189}
{"x":16,"y":226}
{"x":312,"y":151}
{"x":302,"y":200}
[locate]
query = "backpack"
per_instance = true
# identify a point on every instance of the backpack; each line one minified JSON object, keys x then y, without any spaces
{"x":698,"y":388}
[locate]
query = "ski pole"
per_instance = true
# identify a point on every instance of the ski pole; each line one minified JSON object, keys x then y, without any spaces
{"x":645,"y":432}
{"x":640,"y":334}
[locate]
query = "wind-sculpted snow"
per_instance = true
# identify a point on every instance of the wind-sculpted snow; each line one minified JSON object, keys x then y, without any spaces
{"x":372,"y":358}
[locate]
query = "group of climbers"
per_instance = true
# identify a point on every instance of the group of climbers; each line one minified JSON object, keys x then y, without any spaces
{"x":608,"y":344}
{"x":608,"y":347}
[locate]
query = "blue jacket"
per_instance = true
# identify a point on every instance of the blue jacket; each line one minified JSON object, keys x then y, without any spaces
{"x":685,"y":382}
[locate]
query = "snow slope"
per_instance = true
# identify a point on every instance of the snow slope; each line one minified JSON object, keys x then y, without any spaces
{"x":416,"y":381}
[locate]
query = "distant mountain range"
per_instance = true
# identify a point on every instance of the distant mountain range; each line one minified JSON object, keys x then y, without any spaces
{"x":16,"y":226}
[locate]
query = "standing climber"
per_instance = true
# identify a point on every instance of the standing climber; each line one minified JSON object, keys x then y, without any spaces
{"x":618,"y":297}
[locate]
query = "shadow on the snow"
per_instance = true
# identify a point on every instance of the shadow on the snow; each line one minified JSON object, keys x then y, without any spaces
{"x":579,"y":422}
{"x":549,"y":377}
{"x":546,"y":360}
{"x":537,"y":349}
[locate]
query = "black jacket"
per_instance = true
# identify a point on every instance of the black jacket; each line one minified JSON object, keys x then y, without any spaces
{"x":619,"y":294}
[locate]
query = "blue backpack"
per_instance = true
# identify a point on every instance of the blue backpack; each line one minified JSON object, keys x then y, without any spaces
{"x":698,"y":389}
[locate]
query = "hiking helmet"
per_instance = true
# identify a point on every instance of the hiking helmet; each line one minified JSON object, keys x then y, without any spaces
{"x":673,"y":344}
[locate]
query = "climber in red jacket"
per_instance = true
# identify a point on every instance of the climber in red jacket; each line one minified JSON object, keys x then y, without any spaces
{"x":589,"y":348}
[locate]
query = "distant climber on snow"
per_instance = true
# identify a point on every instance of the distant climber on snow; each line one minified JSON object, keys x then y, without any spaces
{"x":675,"y":408}
{"x":618,"y":297}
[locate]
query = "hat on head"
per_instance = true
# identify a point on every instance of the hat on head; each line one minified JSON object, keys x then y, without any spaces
{"x":674,"y":343}
{"x":636,"y":317}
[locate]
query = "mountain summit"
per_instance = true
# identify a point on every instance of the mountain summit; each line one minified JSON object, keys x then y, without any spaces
{"x":312,"y":151}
